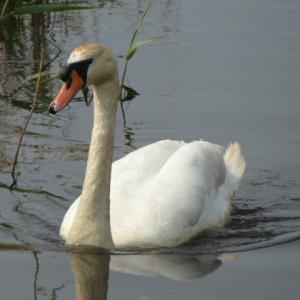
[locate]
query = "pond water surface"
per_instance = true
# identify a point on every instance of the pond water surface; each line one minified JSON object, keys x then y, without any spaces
{"x":224,"y":70}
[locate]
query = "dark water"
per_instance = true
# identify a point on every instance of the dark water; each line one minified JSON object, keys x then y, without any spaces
{"x":224,"y":71}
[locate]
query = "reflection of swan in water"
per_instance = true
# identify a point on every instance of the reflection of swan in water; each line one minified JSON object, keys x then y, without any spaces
{"x":162,"y":194}
{"x":91,"y":275}
{"x":91,"y":272}
{"x":172,"y":266}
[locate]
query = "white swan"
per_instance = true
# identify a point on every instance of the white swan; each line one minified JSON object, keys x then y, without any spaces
{"x":160,"y":195}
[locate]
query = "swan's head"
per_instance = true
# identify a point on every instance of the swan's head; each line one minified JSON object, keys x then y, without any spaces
{"x":89,"y":64}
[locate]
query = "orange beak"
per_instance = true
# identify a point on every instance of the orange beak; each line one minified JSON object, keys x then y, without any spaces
{"x":66,"y":93}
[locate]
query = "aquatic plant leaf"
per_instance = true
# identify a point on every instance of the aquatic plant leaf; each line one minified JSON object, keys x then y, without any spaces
{"x":46,"y":80}
{"x":140,"y":23}
{"x":43,"y":79}
{"x":4,"y":9}
{"x":137,"y":45}
{"x":146,"y":12}
{"x":40,"y":8}
{"x":36,"y":75}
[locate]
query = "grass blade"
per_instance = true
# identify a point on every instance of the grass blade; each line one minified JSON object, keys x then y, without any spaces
{"x":140,"y":23}
{"x":146,"y":12}
{"x":137,"y":45}
{"x":4,"y":8}
{"x":36,"y":75}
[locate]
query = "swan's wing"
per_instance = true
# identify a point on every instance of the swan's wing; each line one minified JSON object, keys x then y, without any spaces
{"x":144,"y":162}
{"x":162,"y":196}
{"x":130,"y":180}
{"x":185,"y":193}
{"x":133,"y":171}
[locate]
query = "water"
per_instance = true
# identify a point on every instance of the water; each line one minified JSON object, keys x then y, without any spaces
{"x":224,"y":71}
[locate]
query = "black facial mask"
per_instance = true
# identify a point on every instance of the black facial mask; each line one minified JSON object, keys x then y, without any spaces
{"x":80,"y":67}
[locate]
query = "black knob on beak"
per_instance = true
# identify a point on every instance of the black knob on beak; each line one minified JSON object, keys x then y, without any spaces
{"x":51,"y":109}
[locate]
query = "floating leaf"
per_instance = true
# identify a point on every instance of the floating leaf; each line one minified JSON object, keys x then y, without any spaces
{"x":40,"y":8}
{"x":137,"y":45}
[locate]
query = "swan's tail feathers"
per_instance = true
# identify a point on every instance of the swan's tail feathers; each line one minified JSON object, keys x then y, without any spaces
{"x":235,"y":162}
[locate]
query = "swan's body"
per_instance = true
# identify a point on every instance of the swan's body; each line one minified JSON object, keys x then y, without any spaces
{"x":160,"y":195}
{"x":166,"y":193}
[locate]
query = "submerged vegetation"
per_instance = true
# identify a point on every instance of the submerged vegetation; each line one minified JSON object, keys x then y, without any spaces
{"x":27,"y":120}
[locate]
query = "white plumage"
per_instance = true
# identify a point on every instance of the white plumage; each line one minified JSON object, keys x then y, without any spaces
{"x":165,"y":193}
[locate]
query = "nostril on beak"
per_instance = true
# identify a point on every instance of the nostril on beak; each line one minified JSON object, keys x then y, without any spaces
{"x":51,"y":109}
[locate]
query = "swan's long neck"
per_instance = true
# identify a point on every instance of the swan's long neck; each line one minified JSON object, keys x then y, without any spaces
{"x":91,"y":225}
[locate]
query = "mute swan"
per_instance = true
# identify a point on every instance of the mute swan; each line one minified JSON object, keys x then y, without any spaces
{"x":160,"y":195}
